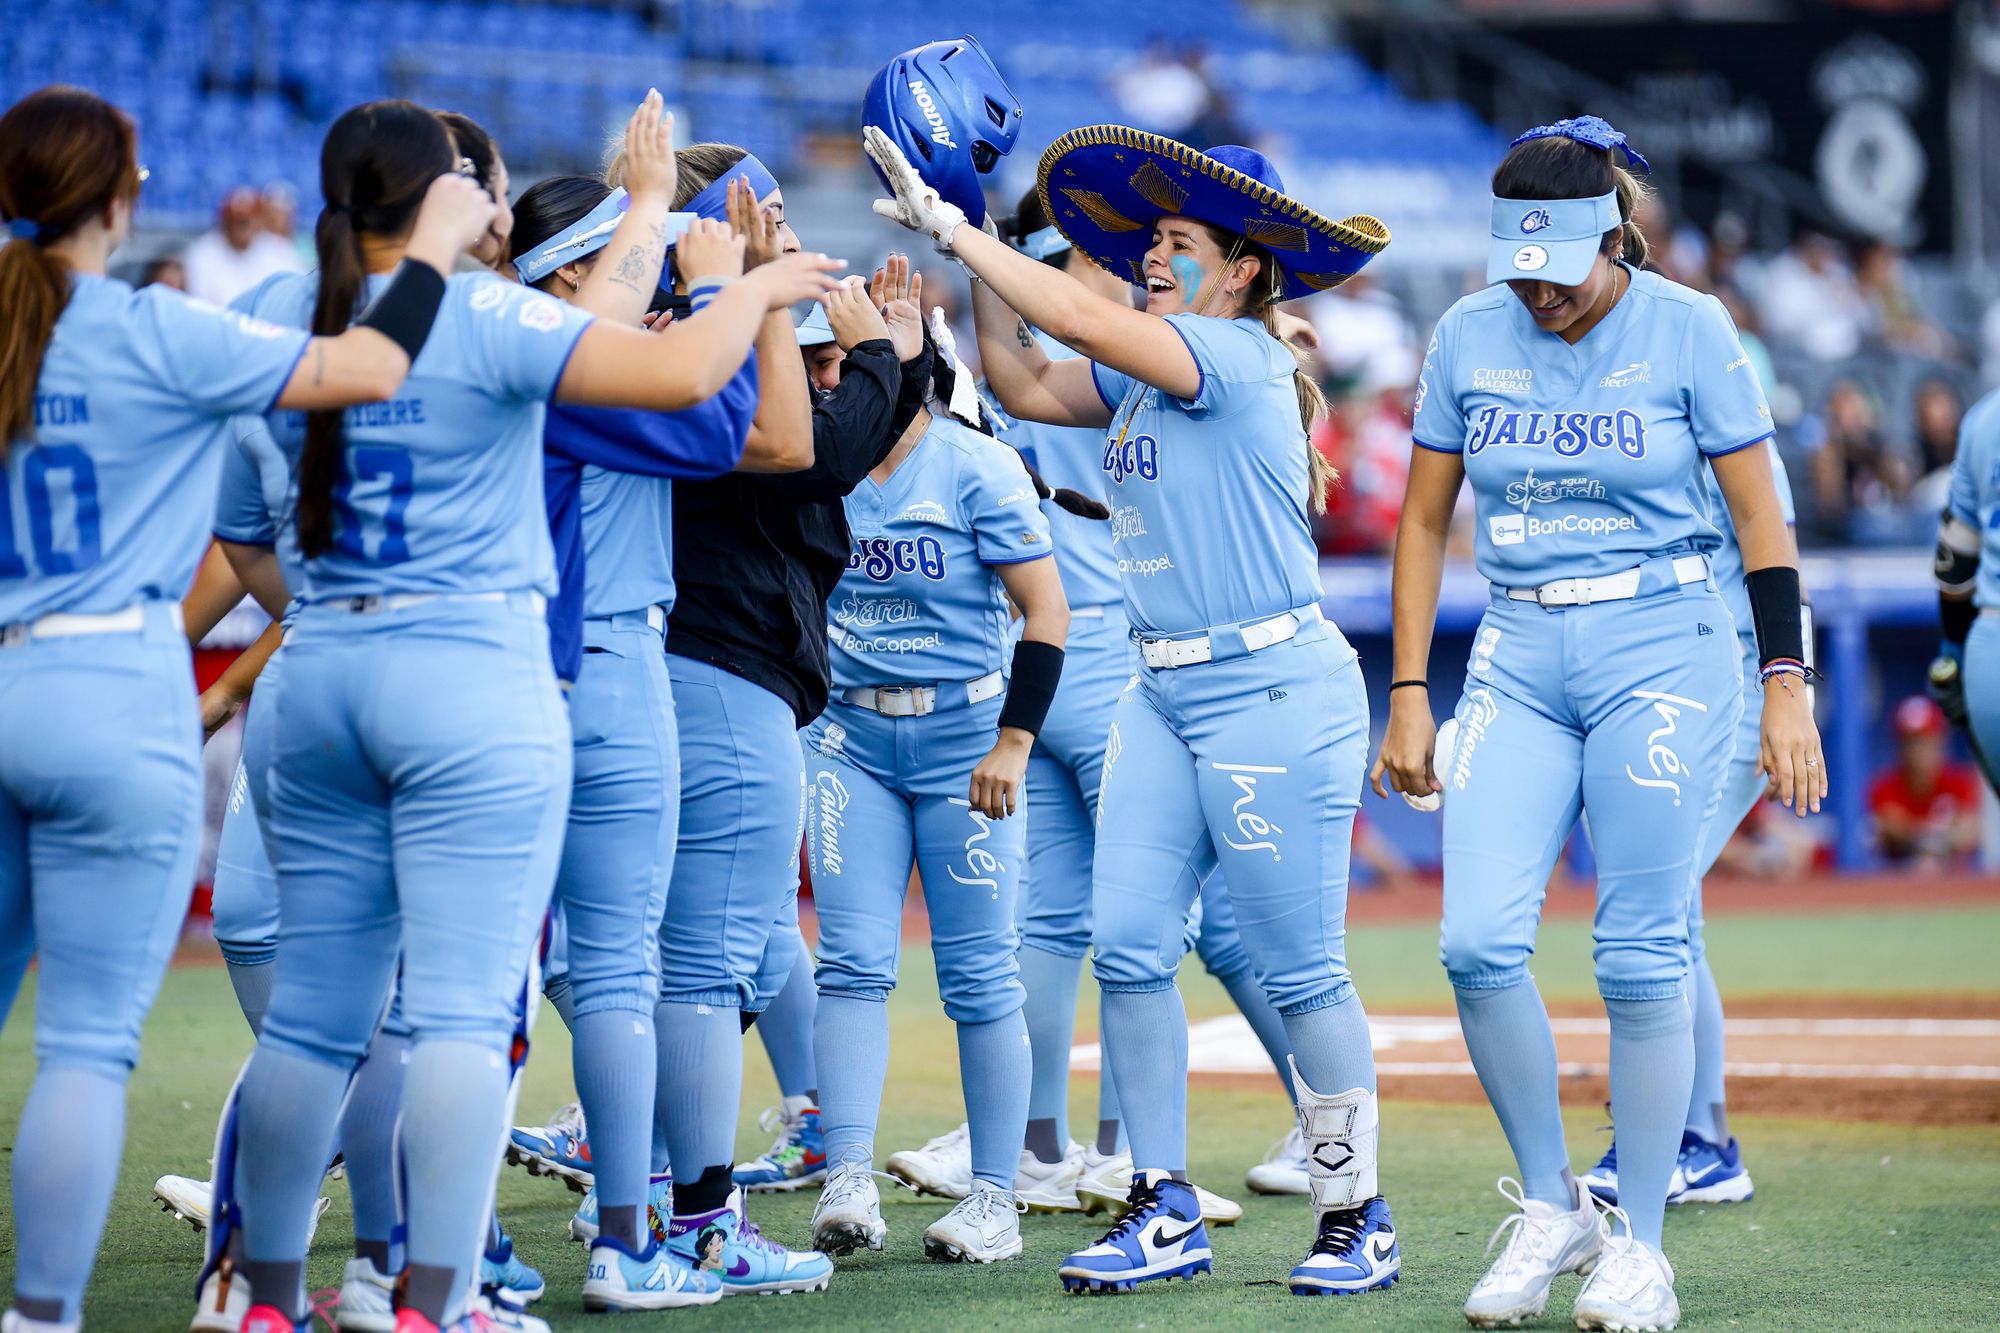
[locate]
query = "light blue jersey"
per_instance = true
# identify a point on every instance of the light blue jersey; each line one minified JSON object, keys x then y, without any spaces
{"x":1582,"y":458}
{"x":135,"y":395}
{"x":628,"y":541}
{"x":1188,"y":500}
{"x":254,"y":505}
{"x":1727,"y":562}
{"x":444,"y":489}
{"x":910,"y":609}
{"x":1070,"y":458}
{"x":1975,"y":492}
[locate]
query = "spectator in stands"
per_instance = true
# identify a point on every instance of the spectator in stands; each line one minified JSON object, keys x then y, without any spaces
{"x":278,"y":214}
{"x":1363,"y":334}
{"x":166,"y":271}
{"x":1858,"y":480}
{"x":1937,"y":413}
{"x":238,"y":254}
{"x":1371,"y":452}
{"x":1926,"y":808}
{"x":1894,"y":318}
{"x":1809,"y":300}
{"x":1161,"y":91}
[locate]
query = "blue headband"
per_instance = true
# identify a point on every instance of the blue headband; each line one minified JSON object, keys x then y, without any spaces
{"x":1592,"y":130}
{"x":713,"y":202}
{"x":23,"y":229}
{"x":1044,"y":244}
{"x":586,"y":236}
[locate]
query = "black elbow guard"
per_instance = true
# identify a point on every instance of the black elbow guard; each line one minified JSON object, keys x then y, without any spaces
{"x":1032,"y":686}
{"x":1774,"y":607}
{"x":1957,"y":563}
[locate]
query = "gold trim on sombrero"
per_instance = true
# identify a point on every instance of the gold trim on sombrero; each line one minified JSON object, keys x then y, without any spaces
{"x":1099,"y":210}
{"x":1323,"y":282}
{"x":1152,"y":185}
{"x":1361,"y":232}
{"x":1276,"y":235}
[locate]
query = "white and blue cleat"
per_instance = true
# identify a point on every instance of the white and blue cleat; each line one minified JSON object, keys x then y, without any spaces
{"x":798,"y":1156}
{"x":1355,"y":1251}
{"x":560,"y":1149}
{"x":654,"y":1279}
{"x":502,"y":1270}
{"x":659,"y":1207}
{"x":1704,"y":1172}
{"x":1159,"y":1236}
{"x":727,"y":1245}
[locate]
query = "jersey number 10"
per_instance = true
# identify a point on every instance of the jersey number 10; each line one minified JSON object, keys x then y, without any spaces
{"x":46,"y":470}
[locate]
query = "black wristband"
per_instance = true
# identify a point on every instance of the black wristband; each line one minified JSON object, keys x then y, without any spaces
{"x":1395,"y":685}
{"x":1774,"y":608}
{"x":1032,"y":686}
{"x":407,"y":307}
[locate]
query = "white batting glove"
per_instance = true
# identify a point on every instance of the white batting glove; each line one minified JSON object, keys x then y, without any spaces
{"x":916,"y":205}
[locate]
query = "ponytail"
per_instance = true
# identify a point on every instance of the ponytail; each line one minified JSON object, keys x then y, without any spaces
{"x":1631,"y":193}
{"x":378,"y":161}
{"x":66,"y":155}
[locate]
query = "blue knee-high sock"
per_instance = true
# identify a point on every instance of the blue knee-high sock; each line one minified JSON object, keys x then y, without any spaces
{"x":1709,"y":1090}
{"x":614,"y":1059}
{"x":454,"y":1119}
{"x":699,"y":1082}
{"x":993,"y":1070}
{"x":1652,"y":1070}
{"x":1332,"y":1047}
{"x":556,"y":990}
{"x":1049,"y":1012}
{"x":286,"y":1111}
{"x":65,"y":1164}
{"x":851,"y":1046}
{"x":252,"y":984}
{"x":1145,"y":1039}
{"x":1107,"y":1090}
{"x":1272,"y":1029}
{"x":1512,"y":1046}
{"x":368,"y":1139}
{"x":787,"y":1030}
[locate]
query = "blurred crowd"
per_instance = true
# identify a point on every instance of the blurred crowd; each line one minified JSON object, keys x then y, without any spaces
{"x":255,"y":237}
{"x":1866,"y":388}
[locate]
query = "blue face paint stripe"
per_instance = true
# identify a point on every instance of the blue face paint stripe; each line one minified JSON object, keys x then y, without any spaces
{"x":1188,"y":274}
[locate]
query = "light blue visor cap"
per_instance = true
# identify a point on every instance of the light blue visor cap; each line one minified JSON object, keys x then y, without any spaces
{"x":813,"y":330}
{"x":1549,"y":240}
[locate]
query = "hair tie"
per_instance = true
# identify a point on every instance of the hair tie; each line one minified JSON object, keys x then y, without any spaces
{"x":1595,"y":131}
{"x":24,"y":229}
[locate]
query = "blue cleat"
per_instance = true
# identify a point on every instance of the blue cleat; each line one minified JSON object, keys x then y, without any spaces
{"x":502,"y":1270}
{"x":659,"y":1206}
{"x":1709,"y":1172}
{"x":1602,"y":1180}
{"x":728,"y":1245}
{"x":1160,"y":1235}
{"x":654,"y":1279}
{"x":560,"y":1149}
{"x":798,"y":1157}
{"x":1355,"y":1251}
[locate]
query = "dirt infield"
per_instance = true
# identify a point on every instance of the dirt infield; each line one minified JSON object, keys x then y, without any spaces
{"x":1932,"y":1060}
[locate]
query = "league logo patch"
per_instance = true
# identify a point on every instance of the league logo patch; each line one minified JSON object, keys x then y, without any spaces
{"x":543,"y":316}
{"x":1536,"y":221}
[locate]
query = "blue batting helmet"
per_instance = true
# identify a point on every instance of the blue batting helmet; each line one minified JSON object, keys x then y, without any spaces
{"x":948,"y":109}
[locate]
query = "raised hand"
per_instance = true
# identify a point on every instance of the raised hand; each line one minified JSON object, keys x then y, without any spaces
{"x":898,"y":292}
{"x":708,"y":249}
{"x":757,"y":225}
{"x":796,"y":277}
{"x":852,"y":314}
{"x":651,"y":170}
{"x":453,"y":218}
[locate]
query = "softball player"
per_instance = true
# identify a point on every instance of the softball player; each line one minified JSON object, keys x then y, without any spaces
{"x":919,"y":758}
{"x":427,"y":563}
{"x":114,"y":409}
{"x":1581,"y":396}
{"x":1966,"y":677}
{"x":1242,"y":736}
{"x":1709,"y":1168}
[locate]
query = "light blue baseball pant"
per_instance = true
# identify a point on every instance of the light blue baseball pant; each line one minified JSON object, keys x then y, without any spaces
{"x":1628,"y":710}
{"x":611,"y":888}
{"x":1255,"y":760}
{"x":100,"y":823}
{"x":886,"y":793}
{"x":244,"y":902}
{"x":419,"y":785}
{"x":1982,"y":684}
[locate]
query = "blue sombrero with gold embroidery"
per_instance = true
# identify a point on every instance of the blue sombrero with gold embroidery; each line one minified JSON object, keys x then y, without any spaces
{"x":1104,"y":186}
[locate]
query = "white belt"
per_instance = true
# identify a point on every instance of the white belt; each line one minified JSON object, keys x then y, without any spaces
{"x":372,"y":603}
{"x":1620,"y":587}
{"x":922,"y":700}
{"x":656,"y":618}
{"x":66,"y":625}
{"x":1086,"y":613}
{"x":1166,"y":654}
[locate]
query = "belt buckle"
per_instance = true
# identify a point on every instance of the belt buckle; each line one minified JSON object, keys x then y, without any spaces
{"x":13,"y":636}
{"x":366,"y":604}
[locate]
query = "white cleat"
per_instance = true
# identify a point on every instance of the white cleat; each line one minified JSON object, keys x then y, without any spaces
{"x":1107,"y":1181}
{"x":942,"y":1167}
{"x":367,"y":1299}
{"x":1546,"y":1241}
{"x":1283,"y":1170}
{"x":193,"y":1200}
{"x":984,"y":1228}
{"x":848,"y":1216}
{"x":13,"y":1321}
{"x":1050,"y":1187}
{"x":224,"y":1301}
{"x":1631,"y":1290}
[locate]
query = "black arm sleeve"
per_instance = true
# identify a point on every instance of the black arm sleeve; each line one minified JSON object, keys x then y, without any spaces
{"x":913,"y":390}
{"x":853,"y":427}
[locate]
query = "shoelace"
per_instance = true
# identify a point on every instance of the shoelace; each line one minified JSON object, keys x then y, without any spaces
{"x":773,"y":1118}
{"x":569,"y":1120}
{"x":1142,"y":1200}
{"x":1341,"y":1232}
{"x":984,"y":1206}
{"x":1533,"y":1239}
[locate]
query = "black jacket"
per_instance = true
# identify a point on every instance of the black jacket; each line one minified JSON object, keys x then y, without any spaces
{"x":756,"y":556}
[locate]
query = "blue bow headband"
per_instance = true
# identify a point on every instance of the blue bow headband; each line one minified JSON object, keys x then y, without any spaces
{"x":713,"y":202}
{"x":586,"y":236}
{"x":23,"y":229}
{"x":1592,"y":130}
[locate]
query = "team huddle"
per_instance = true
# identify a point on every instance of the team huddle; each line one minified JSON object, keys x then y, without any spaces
{"x":599,"y":586}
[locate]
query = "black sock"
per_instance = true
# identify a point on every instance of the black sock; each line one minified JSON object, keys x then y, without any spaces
{"x":375,"y":1252}
{"x":704,"y":1194}
{"x":1042,"y":1141}
{"x":620,"y":1223}
{"x":1107,"y":1138}
{"x":272,"y":1282}
{"x":427,"y":1289}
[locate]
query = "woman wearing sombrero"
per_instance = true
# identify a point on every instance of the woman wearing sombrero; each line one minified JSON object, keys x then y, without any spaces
{"x":1243,"y":735}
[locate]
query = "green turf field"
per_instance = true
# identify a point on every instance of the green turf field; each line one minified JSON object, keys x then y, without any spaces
{"x":1854,"y":1226}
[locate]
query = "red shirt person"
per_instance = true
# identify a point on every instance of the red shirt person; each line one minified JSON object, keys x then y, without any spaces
{"x":1925,"y":807}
